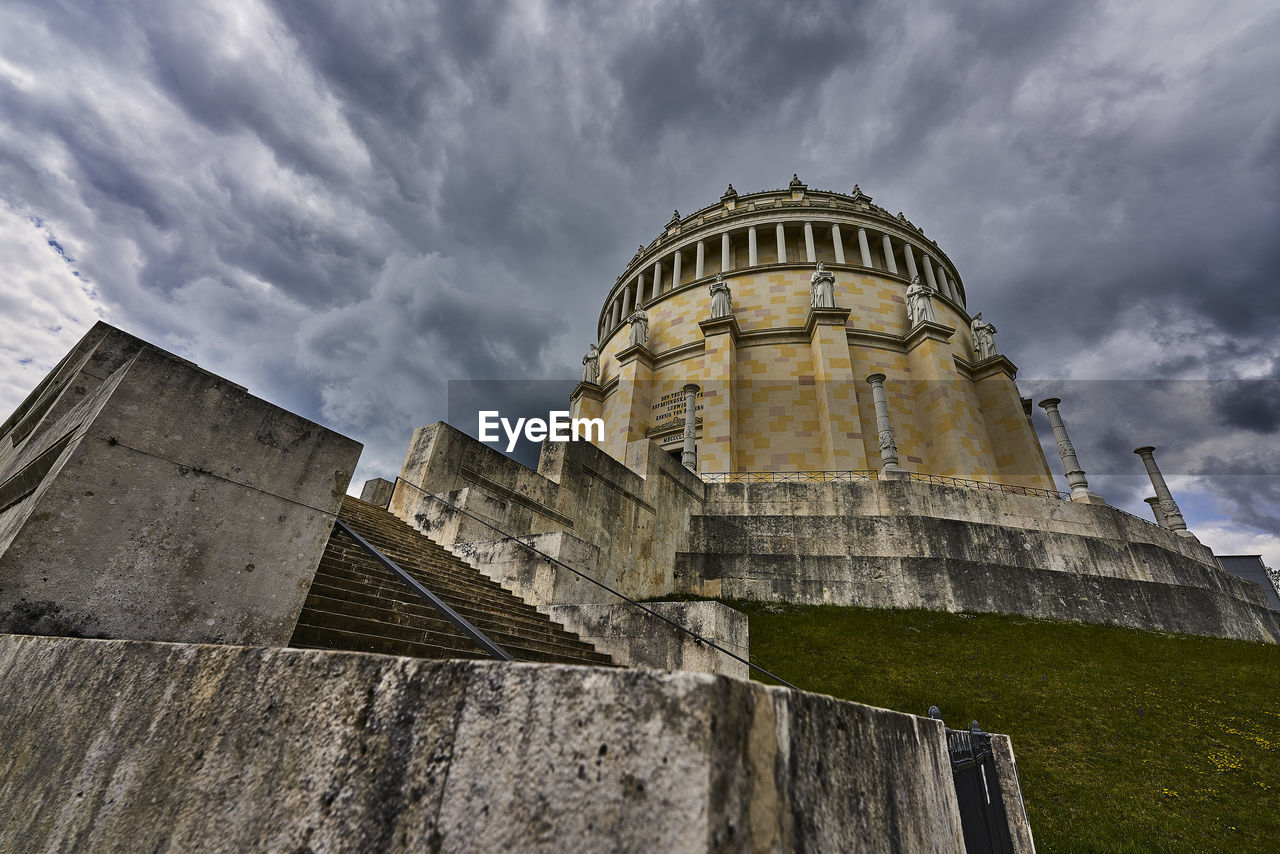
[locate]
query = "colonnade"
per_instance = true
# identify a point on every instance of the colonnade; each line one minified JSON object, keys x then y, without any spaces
{"x":666,"y":271}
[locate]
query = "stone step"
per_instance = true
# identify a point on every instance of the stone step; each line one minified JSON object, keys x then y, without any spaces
{"x":424,"y":634}
{"x":372,"y":579}
{"x":355,"y":603}
{"x":334,"y":588}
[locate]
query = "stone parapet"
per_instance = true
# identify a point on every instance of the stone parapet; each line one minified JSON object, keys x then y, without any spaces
{"x":136,"y":746}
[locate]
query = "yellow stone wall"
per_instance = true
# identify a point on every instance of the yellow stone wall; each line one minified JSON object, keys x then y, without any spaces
{"x":777,"y":396}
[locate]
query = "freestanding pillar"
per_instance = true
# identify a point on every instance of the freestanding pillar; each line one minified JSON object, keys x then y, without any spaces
{"x":1154,"y":502}
{"x":889,"y":469}
{"x":1075,"y":475}
{"x":689,"y":456}
{"x":1168,"y":507}
{"x":782,"y":244}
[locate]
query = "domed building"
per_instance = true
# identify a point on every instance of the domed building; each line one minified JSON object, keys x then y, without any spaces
{"x":810,"y":320}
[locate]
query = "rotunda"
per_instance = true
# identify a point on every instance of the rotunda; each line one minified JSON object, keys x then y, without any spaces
{"x":792,"y":311}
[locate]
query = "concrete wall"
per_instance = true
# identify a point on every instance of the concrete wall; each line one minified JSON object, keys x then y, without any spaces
{"x":914,"y":545}
{"x":636,"y":639}
{"x":629,"y":517}
{"x":113,"y":745}
{"x":650,"y":529}
{"x":165,"y":503}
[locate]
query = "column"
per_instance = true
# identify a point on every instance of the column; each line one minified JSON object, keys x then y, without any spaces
{"x":657,"y":280}
{"x":889,"y":260}
{"x":884,"y":429}
{"x":613,"y":316}
{"x":1168,"y":507}
{"x":863,"y":247}
{"x":1154,"y":503}
{"x":689,"y":455}
{"x":626,"y":303}
{"x":912,"y":272}
{"x":1075,"y":475}
{"x":675,"y":271}
{"x":724,"y":253}
{"x":782,"y":244}
{"x":752,"y":258}
{"x":927,"y":263}
{"x":698,"y":270}
{"x":943,"y":284}
{"x":810,"y":255}
{"x":837,"y":242}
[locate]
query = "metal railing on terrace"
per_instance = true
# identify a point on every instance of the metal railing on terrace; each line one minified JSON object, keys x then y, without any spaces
{"x":872,"y":474}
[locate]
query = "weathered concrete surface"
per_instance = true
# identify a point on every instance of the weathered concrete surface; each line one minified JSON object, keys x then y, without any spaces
{"x":917,"y":545}
{"x":377,"y":491}
{"x":636,"y":639}
{"x":114,"y":745}
{"x":632,"y":517}
{"x":651,"y":529}
{"x":164,"y":503}
{"x":1011,"y":793}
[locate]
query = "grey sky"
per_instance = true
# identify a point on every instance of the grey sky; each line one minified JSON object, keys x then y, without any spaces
{"x":345,"y":205}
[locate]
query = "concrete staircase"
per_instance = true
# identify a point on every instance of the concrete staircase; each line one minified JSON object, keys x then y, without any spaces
{"x":355,"y":604}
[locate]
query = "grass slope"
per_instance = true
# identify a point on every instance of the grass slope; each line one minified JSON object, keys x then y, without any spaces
{"x":1125,"y":740}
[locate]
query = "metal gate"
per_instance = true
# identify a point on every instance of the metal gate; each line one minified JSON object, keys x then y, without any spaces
{"x":982,"y":810}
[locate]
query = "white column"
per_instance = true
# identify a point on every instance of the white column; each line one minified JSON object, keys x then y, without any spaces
{"x":884,"y":429}
{"x":724,"y":253}
{"x":1075,"y":475}
{"x":889,"y":260}
{"x":863,"y":247}
{"x":613,"y":315}
{"x":837,"y":242}
{"x":944,"y":284}
{"x":810,"y":255}
{"x":752,"y":257}
{"x":698,"y":272}
{"x":626,"y":302}
{"x":782,"y":244}
{"x":1169,"y":507}
{"x":675,"y":271}
{"x":927,"y":263}
{"x":912,"y":272}
{"x":657,"y":280}
{"x":689,"y":454}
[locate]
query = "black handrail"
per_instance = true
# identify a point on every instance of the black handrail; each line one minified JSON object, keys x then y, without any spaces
{"x":697,"y":638}
{"x":464,"y":626}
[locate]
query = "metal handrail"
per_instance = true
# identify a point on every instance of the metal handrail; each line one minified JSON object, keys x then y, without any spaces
{"x":462,"y":623}
{"x":697,"y":638}
{"x":872,"y":474}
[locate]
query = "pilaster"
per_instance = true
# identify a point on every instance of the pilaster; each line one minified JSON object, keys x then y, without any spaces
{"x":631,"y":397}
{"x":954,"y":440}
{"x":719,"y":412}
{"x":835,"y":388}
{"x":1020,"y":459}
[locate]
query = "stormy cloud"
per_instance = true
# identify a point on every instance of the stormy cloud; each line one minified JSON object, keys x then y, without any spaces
{"x":347,"y":206}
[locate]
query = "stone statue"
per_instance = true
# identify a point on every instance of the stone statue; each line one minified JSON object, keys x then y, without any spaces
{"x":919,"y":304}
{"x":639,"y":321}
{"x":591,"y":366}
{"x":984,"y":342}
{"x":822,"y":288}
{"x":721,"y":298}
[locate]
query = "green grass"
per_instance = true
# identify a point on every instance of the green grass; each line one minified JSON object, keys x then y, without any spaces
{"x":1125,"y":740}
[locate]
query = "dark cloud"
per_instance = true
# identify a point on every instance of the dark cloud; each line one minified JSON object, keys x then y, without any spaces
{"x":346,"y":206}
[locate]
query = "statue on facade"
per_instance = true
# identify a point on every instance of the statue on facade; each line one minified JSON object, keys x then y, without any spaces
{"x":591,"y":366}
{"x":984,"y":341}
{"x":822,"y":288}
{"x":639,"y":321}
{"x":721,"y":298}
{"x":919,"y":304}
